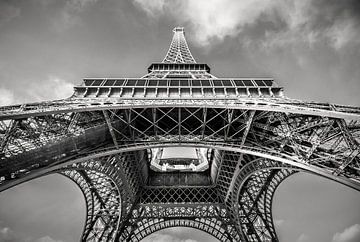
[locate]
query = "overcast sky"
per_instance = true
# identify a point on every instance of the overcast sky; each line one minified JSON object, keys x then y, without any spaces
{"x":311,"y":47}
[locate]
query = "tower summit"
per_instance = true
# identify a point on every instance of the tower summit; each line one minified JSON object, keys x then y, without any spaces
{"x":179,"y":147}
{"x":179,"y":51}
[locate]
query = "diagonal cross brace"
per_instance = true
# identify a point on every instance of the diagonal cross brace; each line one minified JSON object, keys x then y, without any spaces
{"x":238,"y":166}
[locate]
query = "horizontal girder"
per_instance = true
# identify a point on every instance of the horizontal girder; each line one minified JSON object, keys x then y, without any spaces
{"x":260,"y":104}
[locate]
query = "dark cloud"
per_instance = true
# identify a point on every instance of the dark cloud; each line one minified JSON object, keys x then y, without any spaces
{"x":8,"y":12}
{"x":332,"y":9}
{"x":331,"y":22}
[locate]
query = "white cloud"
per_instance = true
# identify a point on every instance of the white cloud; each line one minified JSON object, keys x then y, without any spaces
{"x":209,"y":19}
{"x":217,"y":19}
{"x":6,"y":234}
{"x":69,"y":15}
{"x":343,"y":33}
{"x":293,"y":22}
{"x":151,"y":7}
{"x":6,"y":97}
{"x":79,"y":5}
{"x":303,"y":238}
{"x":53,"y":88}
{"x":351,"y":234}
{"x":279,"y":222}
{"x":47,"y":239}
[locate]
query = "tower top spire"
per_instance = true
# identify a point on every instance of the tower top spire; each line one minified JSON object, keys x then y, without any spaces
{"x":179,"y":51}
{"x":178,"y":29}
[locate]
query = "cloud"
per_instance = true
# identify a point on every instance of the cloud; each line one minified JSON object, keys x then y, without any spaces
{"x":79,"y":5}
{"x":8,"y":12}
{"x":264,"y":22}
{"x":303,"y":238}
{"x":209,"y":19}
{"x":343,"y":33}
{"x":6,"y":234}
{"x":350,"y":234}
{"x":47,"y":239}
{"x":44,"y":3}
{"x":53,"y":88}
{"x":69,"y":15}
{"x":6,"y":97}
{"x":279,"y":222}
{"x":153,"y":8}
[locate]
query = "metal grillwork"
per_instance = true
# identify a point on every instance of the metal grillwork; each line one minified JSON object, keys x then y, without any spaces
{"x":254,"y":137}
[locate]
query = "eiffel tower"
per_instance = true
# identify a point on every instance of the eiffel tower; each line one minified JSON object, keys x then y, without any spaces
{"x":179,"y":147}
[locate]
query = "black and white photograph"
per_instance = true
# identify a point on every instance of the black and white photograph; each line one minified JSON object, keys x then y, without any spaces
{"x":179,"y":120}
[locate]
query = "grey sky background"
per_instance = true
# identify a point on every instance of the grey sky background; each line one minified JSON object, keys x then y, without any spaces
{"x":311,"y":47}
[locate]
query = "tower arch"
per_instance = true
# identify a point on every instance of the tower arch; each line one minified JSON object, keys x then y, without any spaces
{"x":209,"y":226}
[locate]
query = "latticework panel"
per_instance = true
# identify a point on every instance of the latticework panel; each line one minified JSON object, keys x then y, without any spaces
{"x":103,"y":204}
{"x":147,"y":219}
{"x":179,"y":51}
{"x":110,"y":185}
{"x":210,"y":226}
{"x":229,"y":161}
{"x":179,"y":195}
{"x":252,"y":197}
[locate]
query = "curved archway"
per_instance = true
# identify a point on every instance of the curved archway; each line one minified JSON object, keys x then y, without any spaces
{"x":266,"y":164}
{"x":180,"y":233}
{"x":212,"y":227}
{"x":252,"y":197}
{"x":283,"y":204}
{"x":103,"y":202}
{"x":102,"y":216}
{"x":254,"y":210}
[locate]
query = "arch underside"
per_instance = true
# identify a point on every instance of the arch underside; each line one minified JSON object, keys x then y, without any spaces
{"x":207,"y":225}
{"x":161,"y":207}
{"x":105,"y":153}
{"x":102,"y":214}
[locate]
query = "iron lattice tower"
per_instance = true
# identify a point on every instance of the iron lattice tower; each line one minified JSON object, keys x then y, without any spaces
{"x":110,"y":138}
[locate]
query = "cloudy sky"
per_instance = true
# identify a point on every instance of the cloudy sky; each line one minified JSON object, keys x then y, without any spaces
{"x":311,"y":47}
